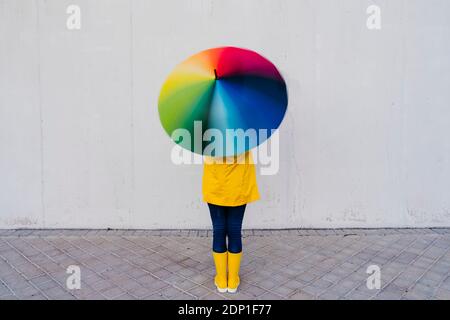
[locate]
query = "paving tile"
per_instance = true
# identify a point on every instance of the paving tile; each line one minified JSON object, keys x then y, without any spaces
{"x":213,"y":296}
{"x":240,"y":295}
{"x":270,"y":296}
{"x":442,"y":294}
{"x":199,"y":278}
{"x":58,"y":293}
{"x":199,"y":291}
{"x":14,"y":281}
{"x":313,"y":291}
{"x":177,"y":264}
{"x":184,"y":296}
{"x":141,"y":291}
{"x":252,"y":290}
{"x":113,"y":292}
{"x":267,"y":284}
{"x":420,"y":291}
{"x":102,"y":285}
{"x":321,"y":284}
{"x":170,"y":292}
{"x":306,"y":277}
{"x":154,"y":296}
{"x":302,"y":295}
{"x":27,"y":292}
{"x":46,"y":285}
{"x":329,"y":295}
{"x":9,"y":297}
{"x":4,"y":290}
{"x":185,"y":284}
{"x":85,"y":292}
{"x":283,"y":291}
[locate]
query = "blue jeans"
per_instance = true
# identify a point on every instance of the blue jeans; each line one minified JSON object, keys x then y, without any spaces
{"x":227,"y":222}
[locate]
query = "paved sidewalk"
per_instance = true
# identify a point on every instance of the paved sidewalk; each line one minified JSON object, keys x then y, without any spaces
{"x":287,"y":264}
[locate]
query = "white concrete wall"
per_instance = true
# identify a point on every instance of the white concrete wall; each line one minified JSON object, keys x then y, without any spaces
{"x":365,"y":142}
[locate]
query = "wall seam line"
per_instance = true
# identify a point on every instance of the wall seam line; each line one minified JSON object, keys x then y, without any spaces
{"x":41,"y":125}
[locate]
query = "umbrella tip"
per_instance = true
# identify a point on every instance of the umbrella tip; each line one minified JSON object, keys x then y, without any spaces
{"x":215,"y":74}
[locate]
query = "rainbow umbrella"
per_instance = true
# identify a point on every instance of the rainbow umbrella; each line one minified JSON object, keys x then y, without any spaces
{"x":228,"y":91}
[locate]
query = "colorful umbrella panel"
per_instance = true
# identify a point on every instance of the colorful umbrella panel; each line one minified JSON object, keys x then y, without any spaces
{"x":232,"y":98}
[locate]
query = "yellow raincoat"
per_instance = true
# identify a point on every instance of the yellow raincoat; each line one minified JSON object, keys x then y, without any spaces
{"x":230,"y":181}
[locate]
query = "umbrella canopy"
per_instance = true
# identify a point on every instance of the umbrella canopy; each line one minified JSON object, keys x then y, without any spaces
{"x":223,"y":95}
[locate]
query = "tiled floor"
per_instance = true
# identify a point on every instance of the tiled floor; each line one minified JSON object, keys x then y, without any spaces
{"x":288,"y":264}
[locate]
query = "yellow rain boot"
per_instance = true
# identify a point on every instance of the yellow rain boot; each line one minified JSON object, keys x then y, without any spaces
{"x":220,"y":280}
{"x":234,"y":263}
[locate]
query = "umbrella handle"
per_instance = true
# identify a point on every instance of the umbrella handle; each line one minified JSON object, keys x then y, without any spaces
{"x":215,"y":73}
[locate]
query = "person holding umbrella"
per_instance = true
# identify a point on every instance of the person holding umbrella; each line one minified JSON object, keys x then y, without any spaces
{"x":229,"y":183}
{"x":225,"y":89}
